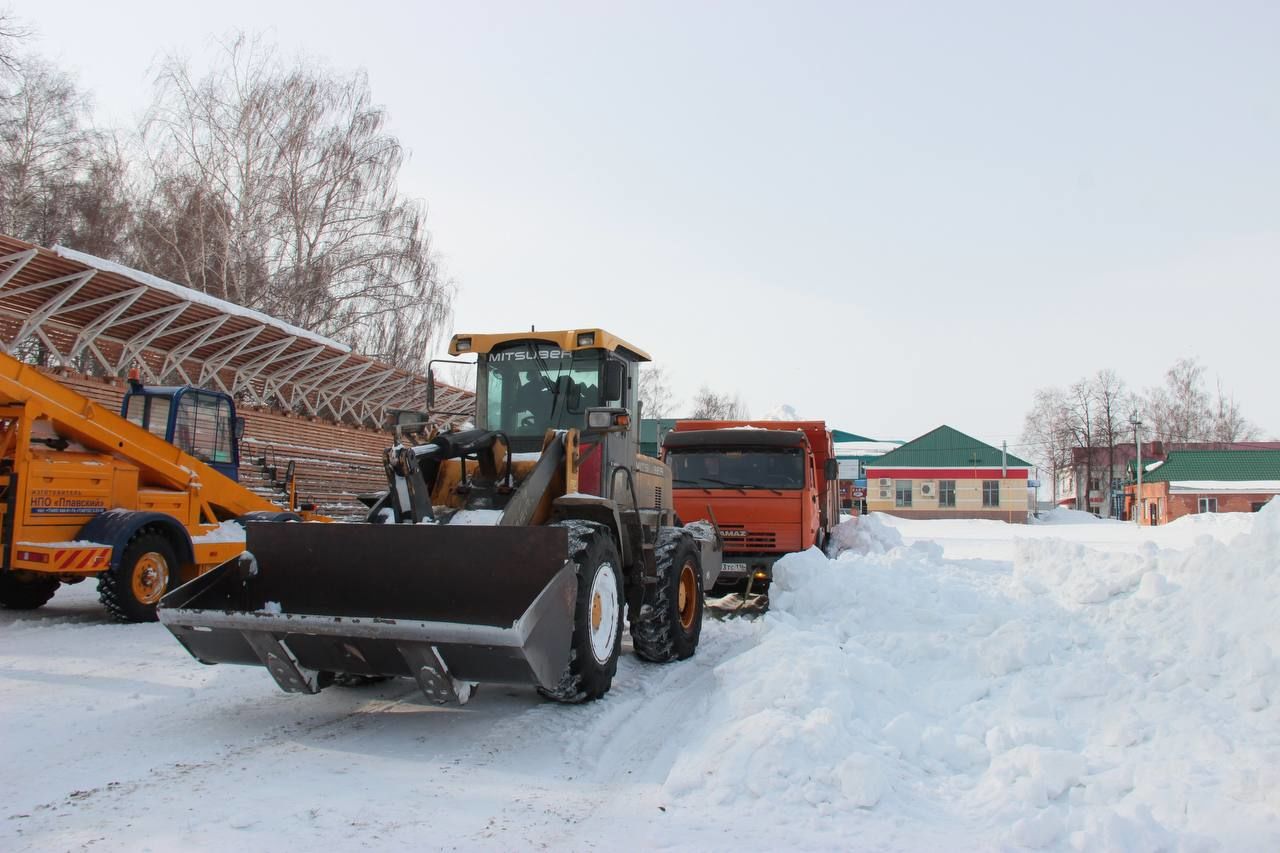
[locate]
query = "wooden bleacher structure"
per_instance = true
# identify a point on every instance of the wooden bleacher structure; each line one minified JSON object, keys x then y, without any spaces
{"x":306,"y":400}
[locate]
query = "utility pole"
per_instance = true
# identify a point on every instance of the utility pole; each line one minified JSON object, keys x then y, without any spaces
{"x":1137,"y":459}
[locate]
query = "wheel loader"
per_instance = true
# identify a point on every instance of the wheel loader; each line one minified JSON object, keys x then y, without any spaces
{"x":513,"y":552}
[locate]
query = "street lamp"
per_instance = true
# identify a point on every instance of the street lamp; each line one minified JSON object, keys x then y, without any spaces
{"x":1137,"y":458}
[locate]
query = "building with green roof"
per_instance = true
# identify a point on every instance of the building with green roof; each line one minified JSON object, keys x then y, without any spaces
{"x":652,"y":431}
{"x":948,"y":474}
{"x":1198,"y":481}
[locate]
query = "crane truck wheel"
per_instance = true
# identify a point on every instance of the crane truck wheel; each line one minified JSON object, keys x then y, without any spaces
{"x":670,"y":622}
{"x":597,"y":615}
{"x":132,"y":589}
{"x":18,"y":594}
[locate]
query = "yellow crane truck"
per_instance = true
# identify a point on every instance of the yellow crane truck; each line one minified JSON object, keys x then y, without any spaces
{"x":513,"y":552}
{"x":136,"y":499}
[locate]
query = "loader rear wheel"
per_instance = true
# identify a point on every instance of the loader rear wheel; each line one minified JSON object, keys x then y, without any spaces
{"x":132,"y":589}
{"x":17,"y":594}
{"x":670,"y":623}
{"x":597,"y":617}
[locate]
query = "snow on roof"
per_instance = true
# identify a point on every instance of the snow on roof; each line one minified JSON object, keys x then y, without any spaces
{"x":196,"y":296}
{"x":1239,"y":486}
{"x":864,"y":448}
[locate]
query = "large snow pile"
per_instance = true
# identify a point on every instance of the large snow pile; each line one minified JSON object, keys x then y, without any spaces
{"x":1075,"y":698}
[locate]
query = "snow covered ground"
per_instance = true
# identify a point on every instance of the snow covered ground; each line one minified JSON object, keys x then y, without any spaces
{"x":957,"y":685}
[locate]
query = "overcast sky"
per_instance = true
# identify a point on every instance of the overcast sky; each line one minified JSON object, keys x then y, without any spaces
{"x":887,"y":215}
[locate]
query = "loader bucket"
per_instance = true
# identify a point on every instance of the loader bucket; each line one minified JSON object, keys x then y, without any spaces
{"x":448,"y":606}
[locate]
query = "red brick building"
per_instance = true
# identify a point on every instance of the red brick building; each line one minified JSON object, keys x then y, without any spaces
{"x":1197,"y":481}
{"x":1095,"y":481}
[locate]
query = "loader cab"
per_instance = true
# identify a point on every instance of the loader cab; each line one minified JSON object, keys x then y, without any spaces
{"x":198,"y":422}
{"x":524,"y":388}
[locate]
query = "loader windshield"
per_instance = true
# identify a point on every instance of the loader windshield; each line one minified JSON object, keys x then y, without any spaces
{"x":531,"y":388}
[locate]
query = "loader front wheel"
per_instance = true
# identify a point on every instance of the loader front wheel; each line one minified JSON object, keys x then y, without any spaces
{"x":132,"y":589}
{"x":597,"y":622}
{"x":17,"y":594}
{"x":670,"y":622}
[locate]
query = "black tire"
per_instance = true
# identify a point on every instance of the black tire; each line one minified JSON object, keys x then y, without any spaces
{"x":131,"y":590}
{"x":670,"y":622}
{"x":19,"y":594}
{"x":593,"y":660}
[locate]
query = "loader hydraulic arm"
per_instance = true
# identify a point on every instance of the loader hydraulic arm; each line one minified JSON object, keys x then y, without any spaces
{"x":79,"y":419}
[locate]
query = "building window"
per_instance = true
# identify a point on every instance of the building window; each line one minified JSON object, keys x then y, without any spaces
{"x":903,"y":493}
{"x":1208,"y":505}
{"x":1095,"y":484}
{"x":991,"y":493}
{"x":946,"y":493}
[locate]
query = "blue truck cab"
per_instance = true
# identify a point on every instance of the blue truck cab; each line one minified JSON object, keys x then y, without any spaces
{"x":199,"y":422}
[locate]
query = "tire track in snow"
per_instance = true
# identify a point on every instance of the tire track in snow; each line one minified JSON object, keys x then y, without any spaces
{"x":615,"y":752}
{"x":574,"y":764}
{"x":180,"y":771}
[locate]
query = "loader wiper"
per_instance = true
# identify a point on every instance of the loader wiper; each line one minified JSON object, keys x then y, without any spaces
{"x":552,"y":384}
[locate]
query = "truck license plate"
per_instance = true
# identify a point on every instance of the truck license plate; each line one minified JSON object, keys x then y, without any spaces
{"x":733,"y":567}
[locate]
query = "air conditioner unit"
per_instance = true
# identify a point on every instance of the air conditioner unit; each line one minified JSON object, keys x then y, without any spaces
{"x":885,"y":494}
{"x":926,"y":490}
{"x":885,"y":481}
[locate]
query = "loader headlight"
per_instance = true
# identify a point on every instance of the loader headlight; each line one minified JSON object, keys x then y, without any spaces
{"x":586,"y":339}
{"x":599,"y":420}
{"x":463,"y":345}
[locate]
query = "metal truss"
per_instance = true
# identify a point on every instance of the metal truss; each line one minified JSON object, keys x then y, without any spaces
{"x":104,"y":319}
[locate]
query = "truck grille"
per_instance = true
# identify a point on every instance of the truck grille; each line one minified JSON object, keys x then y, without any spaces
{"x":738,"y":539}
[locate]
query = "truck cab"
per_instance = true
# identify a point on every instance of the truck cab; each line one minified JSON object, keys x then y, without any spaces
{"x":770,"y":487}
{"x":199,"y":422}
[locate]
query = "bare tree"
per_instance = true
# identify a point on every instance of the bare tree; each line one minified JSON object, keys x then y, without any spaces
{"x":709,"y":405}
{"x":1112,"y":403}
{"x":275,"y":186}
{"x":1179,"y":411}
{"x":1081,"y":422}
{"x":11,"y":32}
{"x":1093,"y":414}
{"x":1229,"y":424}
{"x":102,"y":203}
{"x":60,"y":179}
{"x":1045,"y":430}
{"x":656,"y":396}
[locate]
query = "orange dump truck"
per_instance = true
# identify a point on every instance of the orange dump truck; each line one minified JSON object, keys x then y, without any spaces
{"x":770,"y":486}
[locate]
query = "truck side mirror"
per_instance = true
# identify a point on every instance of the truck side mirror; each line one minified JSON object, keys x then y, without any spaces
{"x":615,"y":374}
{"x":431,"y":389}
{"x":833,"y":469}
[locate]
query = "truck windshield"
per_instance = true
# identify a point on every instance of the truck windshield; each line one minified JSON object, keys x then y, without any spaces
{"x":531,"y":388}
{"x":775,"y":468}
